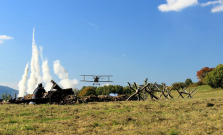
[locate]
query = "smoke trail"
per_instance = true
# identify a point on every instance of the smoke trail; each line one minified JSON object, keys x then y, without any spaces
{"x":22,"y":82}
{"x":36,"y":60}
{"x":32,"y":80}
{"x":41,"y":53}
{"x":63,"y":75}
{"x":35,"y":77}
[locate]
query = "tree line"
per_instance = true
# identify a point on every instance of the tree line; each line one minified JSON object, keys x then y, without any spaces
{"x":206,"y":76}
{"x":105,"y":90}
{"x":6,"y":97}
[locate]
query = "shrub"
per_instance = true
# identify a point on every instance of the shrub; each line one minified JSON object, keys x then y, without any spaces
{"x":199,"y":83}
{"x":177,"y":86}
{"x":193,"y":85}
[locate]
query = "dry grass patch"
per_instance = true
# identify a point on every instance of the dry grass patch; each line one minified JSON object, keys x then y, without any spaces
{"x":180,"y":116}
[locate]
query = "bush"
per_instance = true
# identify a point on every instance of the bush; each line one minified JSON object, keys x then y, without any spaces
{"x":199,"y":83}
{"x":177,"y":86}
{"x":193,"y":85}
{"x":215,"y":77}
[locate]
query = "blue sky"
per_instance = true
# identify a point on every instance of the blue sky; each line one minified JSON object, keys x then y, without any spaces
{"x":129,"y":39}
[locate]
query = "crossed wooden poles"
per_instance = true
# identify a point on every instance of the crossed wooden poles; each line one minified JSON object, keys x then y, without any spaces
{"x":189,"y":94}
{"x":140,"y":91}
{"x":150,"y":89}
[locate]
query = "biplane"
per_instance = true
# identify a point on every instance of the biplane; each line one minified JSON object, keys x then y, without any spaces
{"x":96,"y":78}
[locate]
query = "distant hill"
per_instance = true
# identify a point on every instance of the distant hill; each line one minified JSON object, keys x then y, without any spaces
{"x":8,"y":90}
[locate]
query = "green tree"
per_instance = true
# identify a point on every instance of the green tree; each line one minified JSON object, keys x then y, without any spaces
{"x":6,"y":97}
{"x":215,"y":77}
{"x":127,"y":90}
{"x":188,"y":82}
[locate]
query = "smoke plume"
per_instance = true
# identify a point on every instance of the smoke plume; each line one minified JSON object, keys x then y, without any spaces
{"x":46,"y":75}
{"x":63,"y":75}
{"x":35,"y":73}
{"x":45,"y":71}
{"x":35,"y":76}
{"x":22,"y":82}
{"x":36,"y":60}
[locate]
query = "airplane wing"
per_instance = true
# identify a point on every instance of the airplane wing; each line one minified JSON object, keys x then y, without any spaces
{"x":105,"y":81}
{"x":104,"y":75}
{"x":86,"y":81}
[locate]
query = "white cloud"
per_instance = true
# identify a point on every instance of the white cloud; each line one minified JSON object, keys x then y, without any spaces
{"x":210,"y":3}
{"x":93,"y":25}
{"x":176,"y":5}
{"x":4,"y":37}
{"x":218,"y":5}
{"x":217,"y":9}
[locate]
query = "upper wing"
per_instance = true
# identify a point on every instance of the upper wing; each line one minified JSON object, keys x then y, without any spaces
{"x":88,"y":75}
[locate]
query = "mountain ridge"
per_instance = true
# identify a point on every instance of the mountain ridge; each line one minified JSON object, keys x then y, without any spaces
{"x":8,"y":90}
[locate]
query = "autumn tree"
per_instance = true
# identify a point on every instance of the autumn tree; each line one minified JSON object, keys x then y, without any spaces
{"x":86,"y":91}
{"x":203,"y":72}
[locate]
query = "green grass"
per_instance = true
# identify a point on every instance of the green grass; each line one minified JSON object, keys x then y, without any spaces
{"x":165,"y":117}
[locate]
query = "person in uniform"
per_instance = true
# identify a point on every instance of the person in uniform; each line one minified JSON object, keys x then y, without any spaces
{"x":39,"y":92}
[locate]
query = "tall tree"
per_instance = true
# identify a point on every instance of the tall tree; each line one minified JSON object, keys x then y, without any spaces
{"x":203,"y":72}
{"x":215,"y":77}
{"x":188,"y":82}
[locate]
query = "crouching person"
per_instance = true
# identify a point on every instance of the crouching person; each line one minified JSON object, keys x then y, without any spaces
{"x":38,"y":94}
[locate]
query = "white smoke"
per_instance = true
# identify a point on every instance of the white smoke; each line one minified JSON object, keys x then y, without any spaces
{"x":22,"y":82}
{"x":35,"y":55}
{"x":45,"y":71}
{"x":41,"y":53}
{"x":61,"y":72}
{"x":35,"y":73}
{"x":46,"y":75}
{"x":35,"y":76}
{"x":32,"y":79}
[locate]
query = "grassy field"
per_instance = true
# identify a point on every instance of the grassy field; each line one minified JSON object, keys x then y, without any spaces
{"x":201,"y":115}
